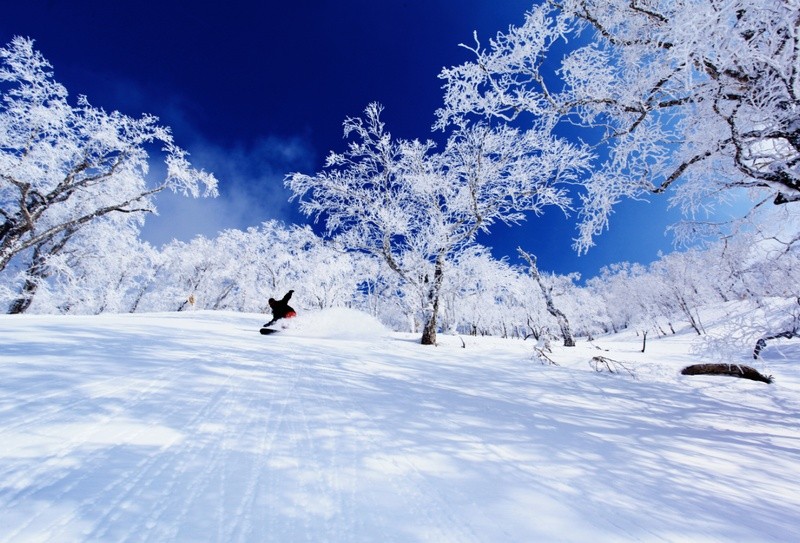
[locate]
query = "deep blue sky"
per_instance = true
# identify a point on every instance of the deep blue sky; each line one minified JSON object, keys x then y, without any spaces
{"x":258,"y":89}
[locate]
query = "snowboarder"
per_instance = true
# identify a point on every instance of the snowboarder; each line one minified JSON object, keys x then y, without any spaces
{"x":281,"y":308}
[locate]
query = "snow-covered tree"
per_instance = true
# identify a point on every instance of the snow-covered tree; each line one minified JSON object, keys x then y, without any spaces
{"x":546,"y":287}
{"x":478,"y":295}
{"x":700,"y":97}
{"x":239,"y":270}
{"x":103,"y":268}
{"x":65,"y":165}
{"x":417,"y":209}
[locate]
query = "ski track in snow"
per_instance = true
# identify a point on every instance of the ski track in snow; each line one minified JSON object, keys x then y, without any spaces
{"x":193,"y":427}
{"x":418,"y":496}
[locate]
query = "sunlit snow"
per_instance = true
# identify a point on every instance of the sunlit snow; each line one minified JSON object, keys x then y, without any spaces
{"x":193,"y":427}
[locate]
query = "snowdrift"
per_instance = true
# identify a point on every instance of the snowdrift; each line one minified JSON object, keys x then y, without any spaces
{"x":339,"y":322}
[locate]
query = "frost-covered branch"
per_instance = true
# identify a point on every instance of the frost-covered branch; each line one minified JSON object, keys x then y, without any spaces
{"x":63,"y":165}
{"x":418,"y":209}
{"x":563,"y":322}
{"x":696,"y":98}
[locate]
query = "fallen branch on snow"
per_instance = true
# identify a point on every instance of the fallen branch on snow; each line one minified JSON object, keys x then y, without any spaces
{"x":735,"y":370}
{"x":601,"y":363}
{"x":761,"y":344}
{"x":543,"y":358}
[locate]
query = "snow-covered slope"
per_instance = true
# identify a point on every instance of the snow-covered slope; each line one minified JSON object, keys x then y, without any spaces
{"x":193,"y":427}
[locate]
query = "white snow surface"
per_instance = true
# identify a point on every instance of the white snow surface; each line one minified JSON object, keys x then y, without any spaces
{"x":337,"y":323}
{"x":194,"y":427}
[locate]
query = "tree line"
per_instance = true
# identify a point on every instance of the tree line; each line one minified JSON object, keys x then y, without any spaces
{"x":112,"y":270}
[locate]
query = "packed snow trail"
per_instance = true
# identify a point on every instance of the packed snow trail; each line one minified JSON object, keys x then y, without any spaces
{"x":193,"y":427}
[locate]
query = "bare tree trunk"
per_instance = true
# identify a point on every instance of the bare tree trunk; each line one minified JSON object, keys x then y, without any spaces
{"x":563,"y":323}
{"x":536,"y":332}
{"x":23,"y":302}
{"x":37,"y":271}
{"x":694,"y":322}
{"x":429,"y":332}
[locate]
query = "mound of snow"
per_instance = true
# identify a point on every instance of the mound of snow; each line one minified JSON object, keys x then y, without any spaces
{"x":338,"y":322}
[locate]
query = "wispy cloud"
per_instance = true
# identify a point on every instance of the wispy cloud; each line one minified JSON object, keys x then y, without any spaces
{"x":250,"y":171}
{"x":250,"y":189}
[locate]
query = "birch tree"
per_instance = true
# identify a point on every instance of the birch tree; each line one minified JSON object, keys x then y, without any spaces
{"x":417,"y":209}
{"x":63,"y":165}
{"x":547,"y":293}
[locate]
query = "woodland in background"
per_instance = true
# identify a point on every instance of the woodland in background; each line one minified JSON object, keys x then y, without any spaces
{"x":651,"y":104}
{"x":240,"y":270}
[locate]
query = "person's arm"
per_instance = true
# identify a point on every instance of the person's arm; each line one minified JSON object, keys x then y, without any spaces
{"x":287,"y":297}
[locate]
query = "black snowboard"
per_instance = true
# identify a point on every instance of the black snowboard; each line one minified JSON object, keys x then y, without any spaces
{"x":267,"y":331}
